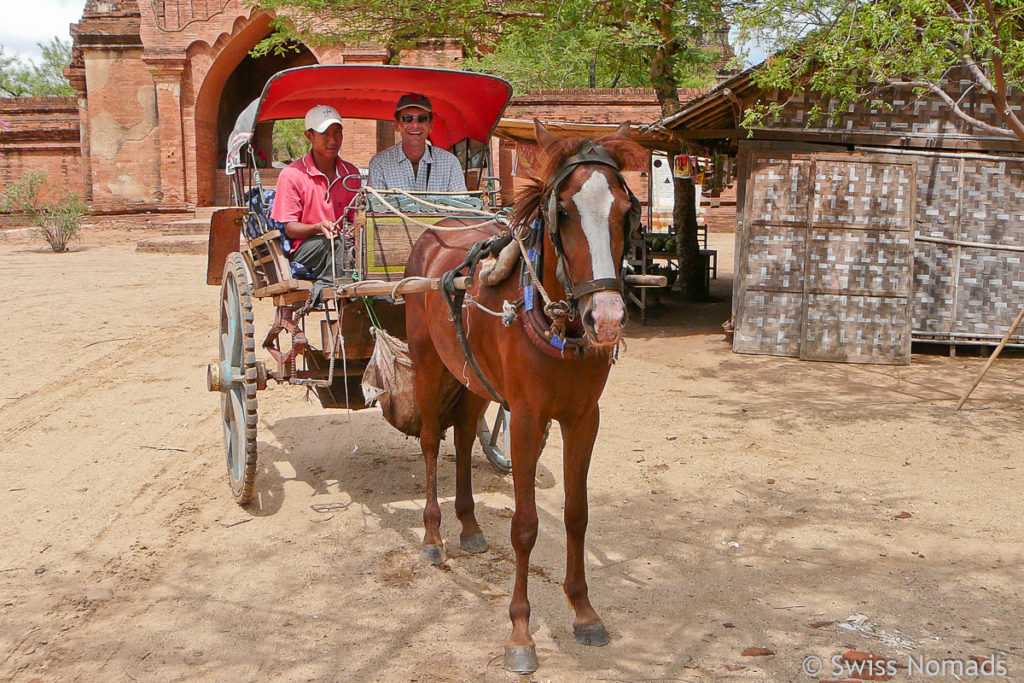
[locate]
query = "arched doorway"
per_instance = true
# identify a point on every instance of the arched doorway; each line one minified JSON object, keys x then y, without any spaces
{"x":232,"y":80}
{"x":244,"y":85}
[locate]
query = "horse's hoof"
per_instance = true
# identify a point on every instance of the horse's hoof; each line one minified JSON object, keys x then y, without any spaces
{"x":474,"y":544}
{"x":521,"y":659}
{"x":434,"y":554}
{"x":591,"y":634}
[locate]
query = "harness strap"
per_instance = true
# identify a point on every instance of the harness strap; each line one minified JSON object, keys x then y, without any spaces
{"x":454,"y":298}
{"x":601,"y":284}
{"x":591,"y":153}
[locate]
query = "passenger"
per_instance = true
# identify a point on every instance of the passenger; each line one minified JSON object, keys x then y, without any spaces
{"x":415,"y":164}
{"x":312,"y":196}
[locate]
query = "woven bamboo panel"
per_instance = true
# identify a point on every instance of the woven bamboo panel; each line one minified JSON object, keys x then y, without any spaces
{"x":870,"y":262}
{"x":826,"y":276}
{"x":905,"y":113}
{"x":990,"y":292}
{"x":857,"y":282}
{"x":964,"y":289}
{"x":864,"y":194}
{"x":856,"y":329}
{"x":769,"y":323}
{"x":938,"y":196}
{"x":775,"y":258}
{"x":992,"y":209}
{"x":780,"y":190}
{"x":934,"y":302}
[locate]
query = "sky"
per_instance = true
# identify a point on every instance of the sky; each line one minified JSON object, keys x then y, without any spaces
{"x":23,"y":23}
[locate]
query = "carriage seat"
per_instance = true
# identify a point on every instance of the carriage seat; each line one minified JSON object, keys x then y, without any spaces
{"x":258,"y":224}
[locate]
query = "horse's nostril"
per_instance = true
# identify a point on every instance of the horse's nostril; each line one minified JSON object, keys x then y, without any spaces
{"x":588,"y":320}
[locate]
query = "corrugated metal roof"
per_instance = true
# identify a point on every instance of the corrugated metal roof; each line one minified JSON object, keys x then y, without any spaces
{"x":716,"y":110}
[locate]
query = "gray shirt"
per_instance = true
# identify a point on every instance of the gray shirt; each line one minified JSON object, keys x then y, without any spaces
{"x":439,"y":171}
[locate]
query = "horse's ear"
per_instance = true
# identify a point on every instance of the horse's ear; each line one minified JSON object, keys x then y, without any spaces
{"x":544,"y":137}
{"x":622,"y":131}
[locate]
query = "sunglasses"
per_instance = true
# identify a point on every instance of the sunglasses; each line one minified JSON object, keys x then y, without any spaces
{"x":419,"y":118}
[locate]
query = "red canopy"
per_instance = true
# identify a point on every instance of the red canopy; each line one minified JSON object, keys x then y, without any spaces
{"x":466,"y":105}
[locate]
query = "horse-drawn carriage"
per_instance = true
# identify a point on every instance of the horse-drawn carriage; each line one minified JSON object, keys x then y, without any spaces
{"x":522,"y":308}
{"x":327,"y":347}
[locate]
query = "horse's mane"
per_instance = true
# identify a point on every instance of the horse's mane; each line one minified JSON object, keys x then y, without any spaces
{"x":527,"y":201}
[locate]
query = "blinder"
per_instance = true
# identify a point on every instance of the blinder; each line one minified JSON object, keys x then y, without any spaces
{"x":591,"y":153}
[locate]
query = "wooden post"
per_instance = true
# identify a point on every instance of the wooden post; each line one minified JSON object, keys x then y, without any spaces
{"x":992,"y":358}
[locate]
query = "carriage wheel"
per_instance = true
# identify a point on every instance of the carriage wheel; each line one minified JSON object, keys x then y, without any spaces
{"x":492,"y":431}
{"x":235,"y":376}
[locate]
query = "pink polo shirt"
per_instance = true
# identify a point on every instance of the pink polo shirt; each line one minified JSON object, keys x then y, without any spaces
{"x":304,"y":195}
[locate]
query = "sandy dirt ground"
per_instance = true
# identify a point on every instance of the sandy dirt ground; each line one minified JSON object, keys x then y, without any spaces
{"x":735,"y":501}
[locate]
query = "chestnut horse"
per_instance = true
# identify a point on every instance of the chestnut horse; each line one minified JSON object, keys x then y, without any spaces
{"x":550,"y":363}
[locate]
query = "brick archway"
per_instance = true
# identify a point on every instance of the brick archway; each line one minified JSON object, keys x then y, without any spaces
{"x":213,"y":67}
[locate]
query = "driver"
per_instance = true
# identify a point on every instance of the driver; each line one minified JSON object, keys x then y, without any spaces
{"x":312,"y":195}
{"x":415,"y":164}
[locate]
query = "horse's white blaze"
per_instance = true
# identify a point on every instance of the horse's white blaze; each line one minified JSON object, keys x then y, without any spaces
{"x":594,"y":201}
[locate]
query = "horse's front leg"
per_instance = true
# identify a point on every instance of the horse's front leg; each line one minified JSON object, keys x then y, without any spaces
{"x":427,"y":381}
{"x":527,"y":431}
{"x":471,"y":539}
{"x":578,"y":444}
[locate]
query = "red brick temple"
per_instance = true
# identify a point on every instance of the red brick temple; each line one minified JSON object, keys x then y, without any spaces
{"x":160,"y":82}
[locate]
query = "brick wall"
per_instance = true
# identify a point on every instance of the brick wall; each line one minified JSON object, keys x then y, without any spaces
{"x":582,"y":105}
{"x":600,"y":105}
{"x":43,"y":134}
{"x":124,"y":133}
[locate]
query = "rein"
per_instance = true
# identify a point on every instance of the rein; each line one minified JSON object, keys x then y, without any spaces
{"x":455,"y":297}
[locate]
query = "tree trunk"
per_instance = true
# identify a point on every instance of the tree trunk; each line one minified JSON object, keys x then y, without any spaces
{"x":663,"y":81}
{"x":692,"y":280}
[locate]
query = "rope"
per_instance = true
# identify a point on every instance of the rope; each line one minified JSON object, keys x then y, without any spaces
{"x":424,"y":202}
{"x":554,"y":309}
{"x":497,"y":220}
{"x":398,"y":298}
{"x":507,"y":312}
{"x":431,"y":192}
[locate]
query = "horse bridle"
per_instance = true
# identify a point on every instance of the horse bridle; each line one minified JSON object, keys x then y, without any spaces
{"x":591,"y":153}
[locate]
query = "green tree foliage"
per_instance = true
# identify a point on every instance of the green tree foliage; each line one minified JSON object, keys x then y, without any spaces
{"x":539,"y":43}
{"x":23,"y":78}
{"x":290,"y":141}
{"x":608,"y":44}
{"x":397,"y":25}
{"x":862,"y":50}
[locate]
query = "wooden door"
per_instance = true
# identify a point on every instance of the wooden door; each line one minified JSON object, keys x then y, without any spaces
{"x":825,"y":256}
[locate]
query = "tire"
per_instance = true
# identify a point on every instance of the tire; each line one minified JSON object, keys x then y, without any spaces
{"x":238,"y":359}
{"x":493,"y":434}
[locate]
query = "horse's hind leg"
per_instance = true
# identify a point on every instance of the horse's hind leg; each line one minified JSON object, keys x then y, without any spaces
{"x":471,"y":406}
{"x":527,"y":431}
{"x":578,"y":439}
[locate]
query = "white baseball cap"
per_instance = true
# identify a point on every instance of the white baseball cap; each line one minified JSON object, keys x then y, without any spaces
{"x":321,"y":117}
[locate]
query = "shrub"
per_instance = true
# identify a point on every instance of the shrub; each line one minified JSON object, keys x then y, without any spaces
{"x":58,"y":220}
